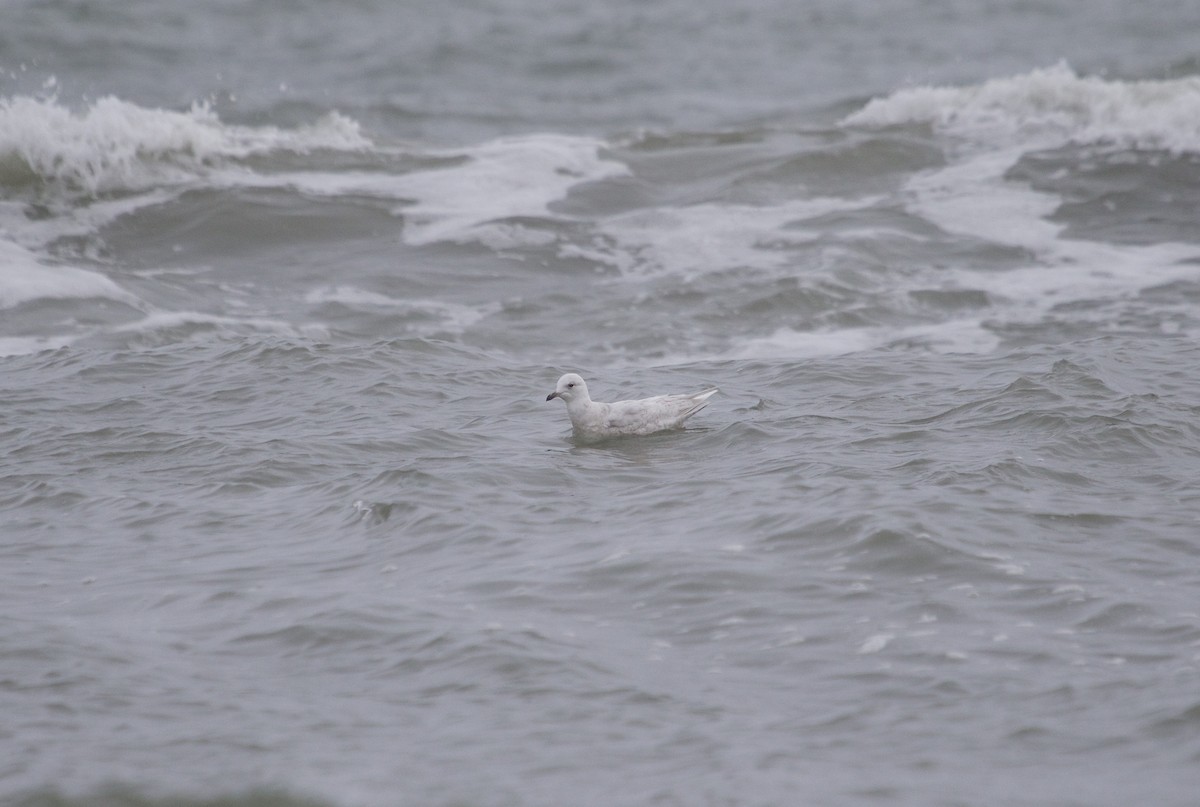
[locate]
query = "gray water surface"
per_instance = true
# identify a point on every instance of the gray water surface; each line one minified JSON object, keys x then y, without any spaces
{"x":285,"y":515}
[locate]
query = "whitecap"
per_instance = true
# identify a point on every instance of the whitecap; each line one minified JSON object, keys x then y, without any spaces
{"x":115,"y":145}
{"x":991,"y":126}
{"x":691,"y":241}
{"x":1049,"y":105}
{"x":23,"y":279}
{"x":447,"y":316}
{"x":501,"y":179}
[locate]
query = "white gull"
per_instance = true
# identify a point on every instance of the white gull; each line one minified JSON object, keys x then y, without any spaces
{"x":593,"y":420}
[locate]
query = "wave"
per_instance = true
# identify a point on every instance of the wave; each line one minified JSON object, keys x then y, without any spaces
{"x":795,"y":266}
{"x":1052,"y":104}
{"x":114,"y":145}
{"x":67,"y":173}
{"x":422,"y":317}
{"x":24,"y":278}
{"x":990,"y":127}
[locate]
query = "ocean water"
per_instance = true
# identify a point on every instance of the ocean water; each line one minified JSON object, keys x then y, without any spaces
{"x":285,"y":517}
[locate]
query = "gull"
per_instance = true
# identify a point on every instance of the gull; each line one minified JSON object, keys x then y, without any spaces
{"x":592,"y":420}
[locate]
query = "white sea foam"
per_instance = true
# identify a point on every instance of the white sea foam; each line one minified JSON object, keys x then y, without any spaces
{"x":446,"y":317}
{"x":502,"y":179}
{"x":695,"y":240}
{"x":974,"y":198}
{"x":475,"y":200}
{"x":24,"y":345}
{"x":23,"y":278}
{"x":71,"y":220}
{"x":1052,"y":104}
{"x":995,"y":123}
{"x":986,"y":128}
{"x":473,"y":196}
{"x":166,"y":320}
{"x":115,"y":145}
{"x":351,"y":296}
{"x":876,"y":643}
{"x":966,"y":335}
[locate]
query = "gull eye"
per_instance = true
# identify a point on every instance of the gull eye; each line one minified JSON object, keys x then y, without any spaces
{"x":570,"y":385}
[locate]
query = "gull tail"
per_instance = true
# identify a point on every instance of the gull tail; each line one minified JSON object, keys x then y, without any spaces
{"x":698,"y":402}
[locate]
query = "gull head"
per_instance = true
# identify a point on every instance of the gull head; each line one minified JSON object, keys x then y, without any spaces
{"x":570,"y":387}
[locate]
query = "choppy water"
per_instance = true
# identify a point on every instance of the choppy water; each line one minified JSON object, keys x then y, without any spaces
{"x":284,"y":514}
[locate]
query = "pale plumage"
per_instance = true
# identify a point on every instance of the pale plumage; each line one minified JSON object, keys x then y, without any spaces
{"x":592,"y":420}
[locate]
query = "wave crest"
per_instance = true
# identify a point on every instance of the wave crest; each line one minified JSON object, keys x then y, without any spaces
{"x":114,"y":145}
{"x":1053,"y":103}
